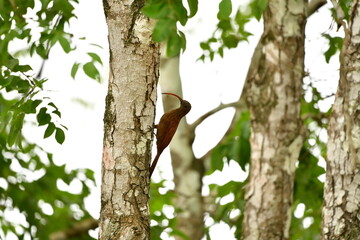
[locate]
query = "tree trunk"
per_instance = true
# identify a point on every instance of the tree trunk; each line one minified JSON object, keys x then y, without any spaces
{"x":273,"y":93}
{"x":342,"y":186}
{"x":128,"y":121}
{"x":188,"y":171}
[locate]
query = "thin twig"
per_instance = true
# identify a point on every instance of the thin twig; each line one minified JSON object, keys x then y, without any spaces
{"x":237,"y":104}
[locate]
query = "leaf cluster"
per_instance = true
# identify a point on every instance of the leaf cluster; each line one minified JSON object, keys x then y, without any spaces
{"x":230,"y":30}
{"x":161,"y":201}
{"x":235,"y":147}
{"x":17,"y":22}
{"x":90,"y":68}
{"x":230,"y":213}
{"x":168,"y":14}
{"x":308,"y":189}
{"x":29,"y":179}
{"x":30,"y":186}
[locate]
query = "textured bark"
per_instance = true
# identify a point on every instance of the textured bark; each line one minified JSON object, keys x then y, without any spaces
{"x":341,"y":219}
{"x":187,"y":169}
{"x":128,"y":121}
{"x":273,"y":93}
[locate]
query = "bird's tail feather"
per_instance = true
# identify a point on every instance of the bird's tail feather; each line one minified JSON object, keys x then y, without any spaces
{"x":153,"y":165}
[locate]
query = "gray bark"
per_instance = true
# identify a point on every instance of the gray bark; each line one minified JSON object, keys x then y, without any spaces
{"x":128,"y":121}
{"x":273,"y":93}
{"x":341,"y":219}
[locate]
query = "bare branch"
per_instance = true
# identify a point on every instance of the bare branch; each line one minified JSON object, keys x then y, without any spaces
{"x":237,"y":105}
{"x":314,"y":5}
{"x":205,"y":158}
{"x":76,"y":230}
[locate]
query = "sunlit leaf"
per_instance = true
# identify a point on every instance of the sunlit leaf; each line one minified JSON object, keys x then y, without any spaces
{"x":225,"y":9}
{"x":91,"y":71}
{"x":65,"y":44}
{"x":95,"y":57}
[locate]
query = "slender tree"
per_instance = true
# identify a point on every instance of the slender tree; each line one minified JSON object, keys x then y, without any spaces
{"x":273,"y":94}
{"x":188,"y":171}
{"x":342,"y":186}
{"x":128,"y":121}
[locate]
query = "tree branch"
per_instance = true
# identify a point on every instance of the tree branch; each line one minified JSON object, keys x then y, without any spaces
{"x":314,"y":5}
{"x":238,"y":105}
{"x":339,"y":14}
{"x":76,"y":230}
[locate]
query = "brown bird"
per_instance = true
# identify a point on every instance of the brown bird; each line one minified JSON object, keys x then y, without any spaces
{"x":167,"y":127}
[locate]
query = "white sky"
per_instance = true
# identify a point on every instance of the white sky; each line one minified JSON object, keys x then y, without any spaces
{"x":204,"y":85}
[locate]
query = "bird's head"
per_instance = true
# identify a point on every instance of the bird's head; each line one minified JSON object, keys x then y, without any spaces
{"x":185,"y":105}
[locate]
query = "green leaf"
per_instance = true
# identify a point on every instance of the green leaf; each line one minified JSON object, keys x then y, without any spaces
{"x":217,"y":162}
{"x":12,"y":63}
{"x":335,"y":45}
{"x":65,"y":44}
{"x":57,"y":112}
{"x":221,"y":51}
{"x":52,"y":105}
{"x":74,"y":69}
{"x":91,"y":71}
{"x":30,"y":106}
{"x":163,"y":29}
{"x":212,"y":55}
{"x":43,"y":117}
{"x":204,"y":46}
{"x":180,"y":12}
{"x":60,"y":135}
{"x":156,"y":10}
{"x":49,"y":130}
{"x":193,"y":6}
{"x":95,"y":57}
{"x":230,"y":41}
{"x":90,"y":174}
{"x":174,"y":44}
{"x":42,"y":51}
{"x":35,"y":104}
{"x":225,"y":9}
{"x":258,"y":7}
{"x":225,"y":25}
{"x":15,"y":129}
{"x":241,"y":19}
{"x":22,"y":68}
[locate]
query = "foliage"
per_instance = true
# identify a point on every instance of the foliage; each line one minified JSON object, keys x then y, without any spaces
{"x":30,"y":187}
{"x":231,"y":30}
{"x":335,"y":45}
{"x":236,"y":146}
{"x":168,"y":14}
{"x":230,"y":213}
{"x":89,"y":68}
{"x":161,"y":201}
{"x":29,"y":177}
{"x":308,"y":190}
{"x":341,"y":11}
